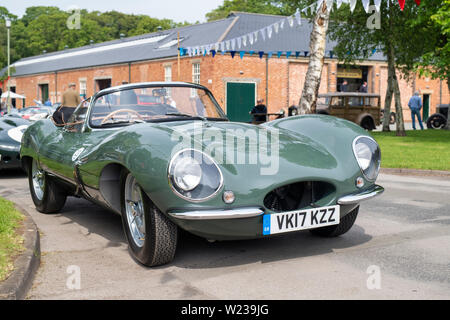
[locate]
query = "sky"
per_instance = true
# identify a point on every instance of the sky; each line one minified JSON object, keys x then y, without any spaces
{"x":177,"y":10}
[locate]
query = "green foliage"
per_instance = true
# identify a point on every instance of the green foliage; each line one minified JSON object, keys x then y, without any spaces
{"x":45,"y":29}
{"x":436,"y":61}
{"x":255,"y":6}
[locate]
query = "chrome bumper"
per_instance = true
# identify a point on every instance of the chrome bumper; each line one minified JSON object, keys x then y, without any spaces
{"x":218,"y":214}
{"x":364,"y":195}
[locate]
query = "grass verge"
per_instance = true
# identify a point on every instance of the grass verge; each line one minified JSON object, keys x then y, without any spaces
{"x":11,"y":243}
{"x":424,"y":150}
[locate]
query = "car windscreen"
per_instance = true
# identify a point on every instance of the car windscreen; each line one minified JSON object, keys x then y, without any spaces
{"x":149,"y":104}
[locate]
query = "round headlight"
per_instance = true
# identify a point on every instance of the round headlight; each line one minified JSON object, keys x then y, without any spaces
{"x":368,"y":155}
{"x":194,"y":176}
{"x":187,"y":173}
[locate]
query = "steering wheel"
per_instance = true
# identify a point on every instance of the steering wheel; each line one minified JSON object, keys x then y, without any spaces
{"x":112,"y":114}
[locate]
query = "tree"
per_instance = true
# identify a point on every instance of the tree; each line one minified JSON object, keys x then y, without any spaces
{"x":255,"y":6}
{"x":44,"y":28}
{"x":401,"y":43}
{"x":436,"y":61}
{"x":317,"y":45}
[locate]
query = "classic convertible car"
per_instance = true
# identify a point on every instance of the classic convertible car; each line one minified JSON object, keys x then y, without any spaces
{"x":11,"y":131}
{"x":185,"y":165}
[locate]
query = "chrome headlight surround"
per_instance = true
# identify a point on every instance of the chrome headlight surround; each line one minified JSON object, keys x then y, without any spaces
{"x":194,"y":176}
{"x":368,"y":155}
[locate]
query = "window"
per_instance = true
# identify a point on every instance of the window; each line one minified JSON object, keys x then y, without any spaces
{"x":83,"y":90}
{"x":195,"y":77}
{"x":168,"y":77}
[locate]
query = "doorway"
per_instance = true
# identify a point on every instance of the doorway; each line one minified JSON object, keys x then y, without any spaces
{"x":241,"y":98}
{"x":426,"y":107}
{"x":43,"y":90}
{"x":102,"y":84}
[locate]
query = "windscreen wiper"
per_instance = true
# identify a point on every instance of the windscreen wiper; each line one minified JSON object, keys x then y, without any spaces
{"x":115,"y":122}
{"x":179,"y":114}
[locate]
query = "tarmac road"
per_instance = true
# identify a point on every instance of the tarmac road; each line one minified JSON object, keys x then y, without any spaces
{"x":399,"y":248}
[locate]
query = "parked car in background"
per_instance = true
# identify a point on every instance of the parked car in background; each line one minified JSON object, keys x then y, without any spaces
{"x":438,"y":120}
{"x":11,"y":131}
{"x":130,"y":159}
{"x":361,"y":108}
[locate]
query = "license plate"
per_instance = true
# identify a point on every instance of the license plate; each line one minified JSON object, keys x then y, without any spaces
{"x":300,"y":220}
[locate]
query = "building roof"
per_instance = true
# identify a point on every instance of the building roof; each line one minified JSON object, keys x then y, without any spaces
{"x":163,"y":44}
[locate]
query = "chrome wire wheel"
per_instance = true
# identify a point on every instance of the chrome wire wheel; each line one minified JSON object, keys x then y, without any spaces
{"x":134,"y":210}
{"x":38,"y":178}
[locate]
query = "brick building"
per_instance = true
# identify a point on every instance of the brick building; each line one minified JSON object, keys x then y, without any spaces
{"x":235,"y":82}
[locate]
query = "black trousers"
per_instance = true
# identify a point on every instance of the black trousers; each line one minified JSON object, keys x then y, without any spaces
{"x":62,"y":114}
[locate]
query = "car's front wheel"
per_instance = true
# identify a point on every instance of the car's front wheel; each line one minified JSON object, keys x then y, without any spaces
{"x":45,"y":193}
{"x":345,"y":225}
{"x":152,"y":237}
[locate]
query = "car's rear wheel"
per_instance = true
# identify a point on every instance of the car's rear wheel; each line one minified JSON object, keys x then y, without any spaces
{"x":152,"y":237}
{"x":436,"y":121}
{"x":345,"y":225}
{"x":45,"y":193}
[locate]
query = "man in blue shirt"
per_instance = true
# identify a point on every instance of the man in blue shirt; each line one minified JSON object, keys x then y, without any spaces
{"x":415,"y":104}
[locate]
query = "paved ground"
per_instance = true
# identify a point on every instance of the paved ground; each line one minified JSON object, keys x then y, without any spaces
{"x":405,"y":234}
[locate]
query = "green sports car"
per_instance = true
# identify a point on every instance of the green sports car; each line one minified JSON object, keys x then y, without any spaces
{"x":176,"y":161}
{"x":11,"y":131}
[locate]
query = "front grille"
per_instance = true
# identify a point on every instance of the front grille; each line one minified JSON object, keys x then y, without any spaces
{"x":297,"y":195}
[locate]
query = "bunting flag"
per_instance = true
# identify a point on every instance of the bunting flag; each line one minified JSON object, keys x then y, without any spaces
{"x":377,"y":5}
{"x":366,"y":4}
{"x":279,"y":53}
{"x":242,"y":54}
{"x":352,"y":5}
{"x":261,"y":54}
{"x":249,"y":39}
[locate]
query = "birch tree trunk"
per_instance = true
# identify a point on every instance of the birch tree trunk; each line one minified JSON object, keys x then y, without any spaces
{"x":388,"y":99}
{"x":400,"y":125}
{"x":317,"y":44}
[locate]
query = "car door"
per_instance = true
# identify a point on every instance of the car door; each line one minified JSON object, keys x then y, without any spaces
{"x":63,"y":147}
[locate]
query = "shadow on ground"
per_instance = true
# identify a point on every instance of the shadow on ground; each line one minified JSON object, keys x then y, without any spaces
{"x":196,"y":253}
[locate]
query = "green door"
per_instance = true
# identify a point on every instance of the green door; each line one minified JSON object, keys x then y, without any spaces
{"x":240,"y":101}
{"x":426,"y":107}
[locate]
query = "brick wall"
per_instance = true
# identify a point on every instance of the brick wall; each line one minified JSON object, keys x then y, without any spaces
{"x":284,"y":86}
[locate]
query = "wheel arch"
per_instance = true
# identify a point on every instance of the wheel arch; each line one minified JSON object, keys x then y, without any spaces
{"x":110,"y":184}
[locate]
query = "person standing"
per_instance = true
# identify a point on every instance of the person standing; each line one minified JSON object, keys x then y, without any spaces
{"x":344,"y":86}
{"x":259,"y":112}
{"x":415,"y":104}
{"x":70,"y":100}
{"x":363,"y":88}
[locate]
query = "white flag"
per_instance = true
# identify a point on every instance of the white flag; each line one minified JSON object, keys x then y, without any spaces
{"x":269,"y":31}
{"x":263,"y":33}
{"x":233,"y":44}
{"x":255,"y":36}
{"x":189,"y":51}
{"x":244,"y":40}
{"x":276,"y":27}
{"x":329,"y":5}
{"x":282,"y":24}
{"x":222,"y":46}
{"x":227,"y":45}
{"x":352,"y":5}
{"x":239,"y":42}
{"x":339,"y":2}
{"x":319,"y":4}
{"x":298,"y":17}
{"x":366,"y":4}
{"x":250,"y":38}
{"x":216,"y":46}
{"x":377,"y":4}
{"x":291,"y":21}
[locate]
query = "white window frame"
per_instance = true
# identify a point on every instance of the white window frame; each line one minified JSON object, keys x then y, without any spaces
{"x":168,"y":78}
{"x":196,"y":73}
{"x":83,"y":87}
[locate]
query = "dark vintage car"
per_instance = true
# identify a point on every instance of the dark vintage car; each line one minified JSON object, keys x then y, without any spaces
{"x":11,"y":131}
{"x":165,"y":168}
{"x":438,"y":120}
{"x":360,"y":108}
